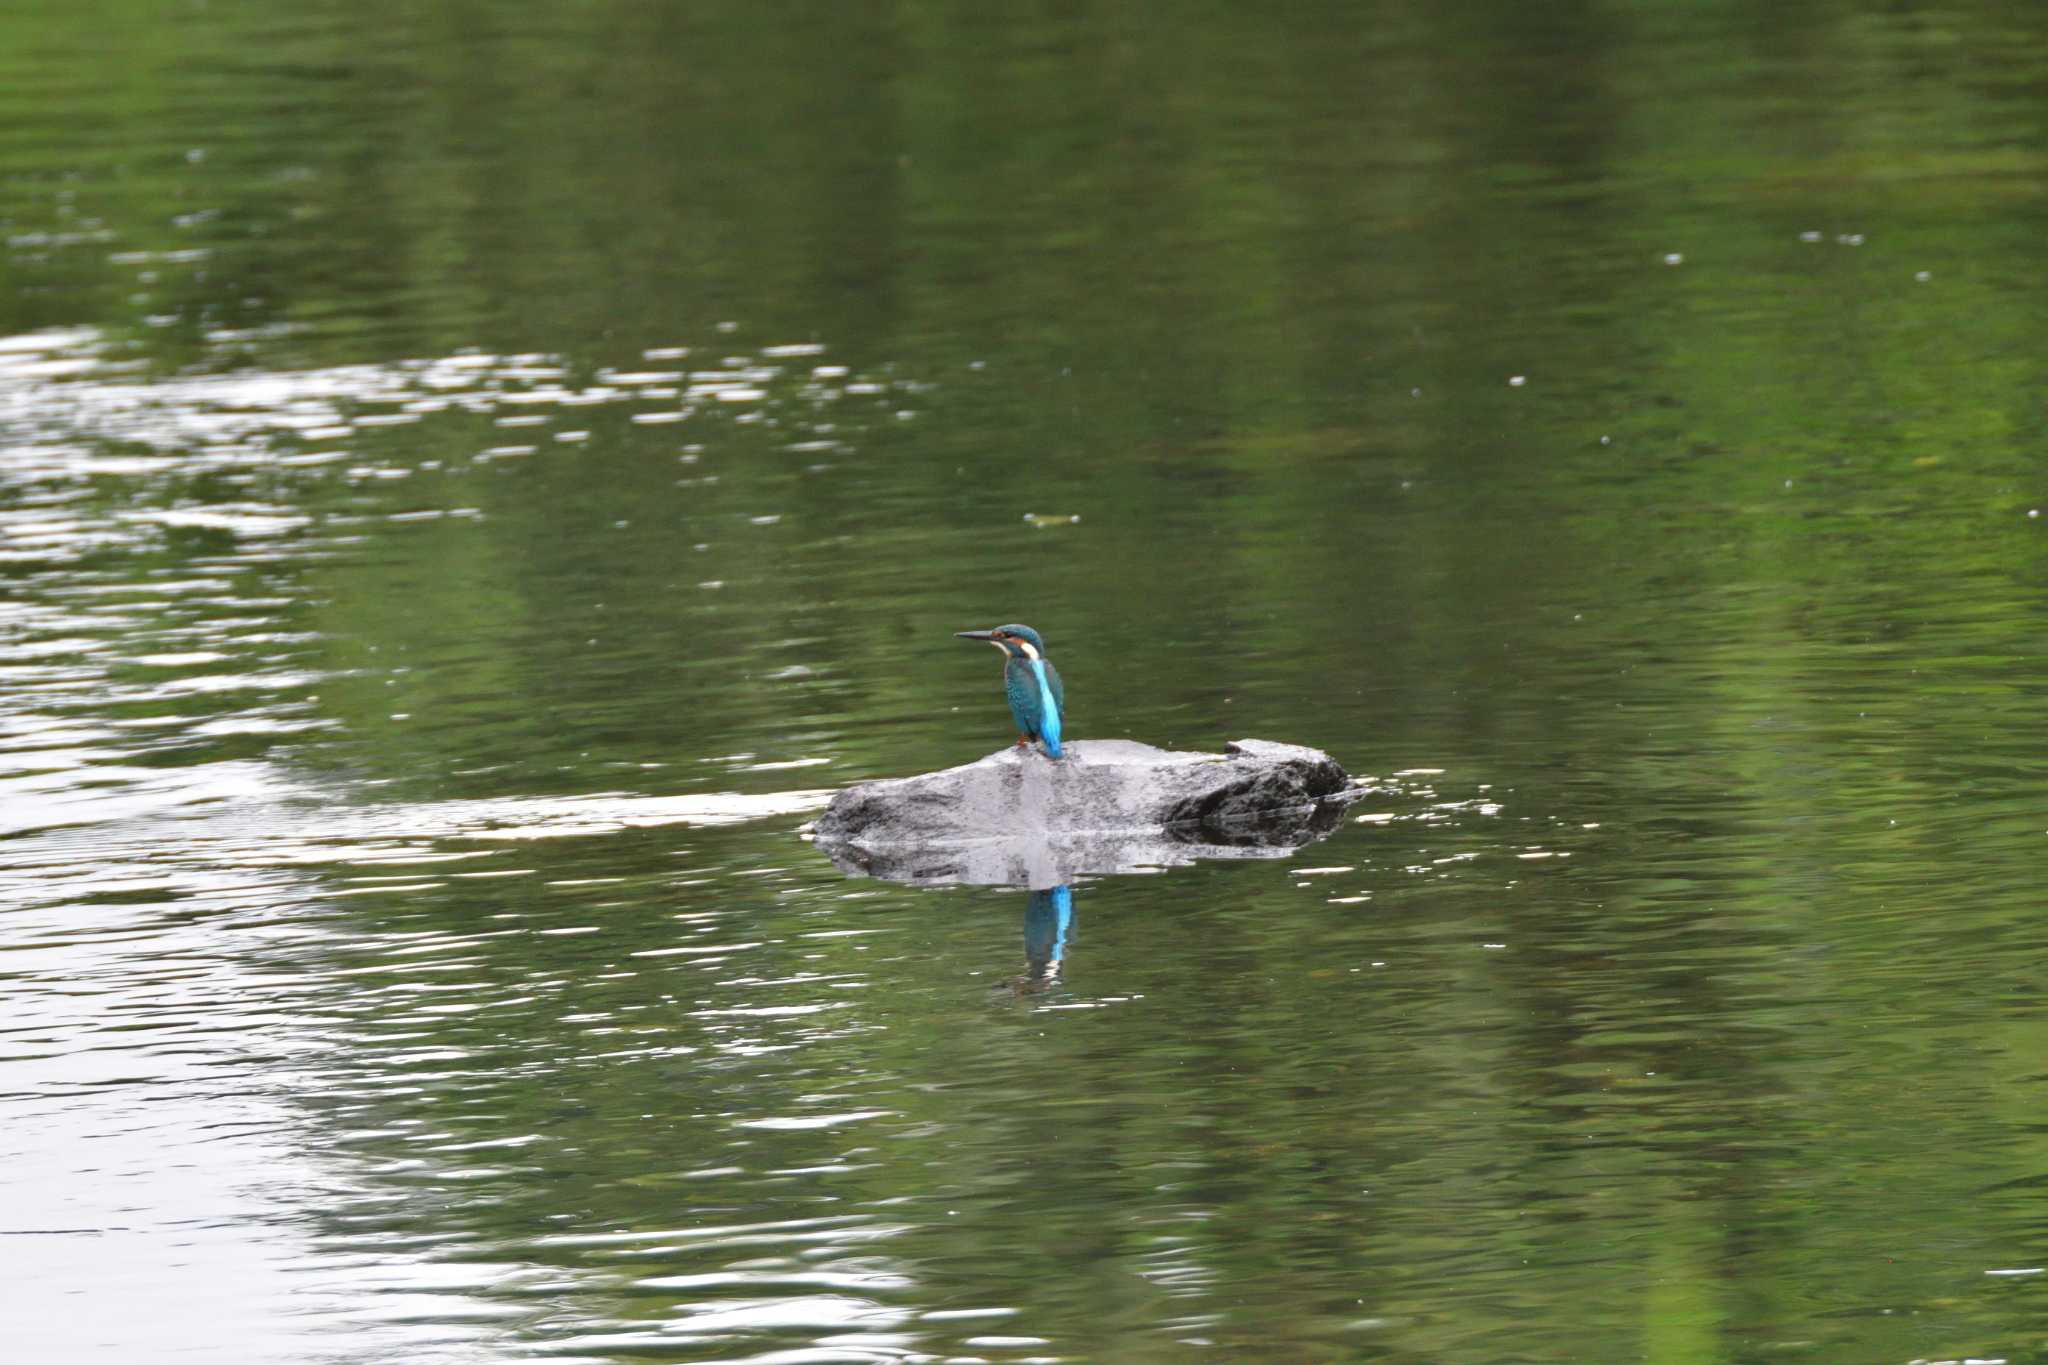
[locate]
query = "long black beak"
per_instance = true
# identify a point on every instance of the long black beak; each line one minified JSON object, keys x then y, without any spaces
{"x":974,"y":634}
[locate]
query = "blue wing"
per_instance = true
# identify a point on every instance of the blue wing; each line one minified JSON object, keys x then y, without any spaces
{"x":1020,"y":685}
{"x":1034,"y":692}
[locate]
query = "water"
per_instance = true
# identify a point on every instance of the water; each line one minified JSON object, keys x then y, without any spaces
{"x":474,"y":483}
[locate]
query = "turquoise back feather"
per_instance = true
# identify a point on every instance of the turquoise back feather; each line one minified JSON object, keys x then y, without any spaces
{"x":1049,"y":721}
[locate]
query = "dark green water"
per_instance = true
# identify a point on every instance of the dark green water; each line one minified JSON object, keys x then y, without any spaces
{"x":472,"y":478}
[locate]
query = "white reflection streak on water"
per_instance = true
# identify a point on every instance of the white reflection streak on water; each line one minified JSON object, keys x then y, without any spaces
{"x":156,"y":920}
{"x":154,"y":1158}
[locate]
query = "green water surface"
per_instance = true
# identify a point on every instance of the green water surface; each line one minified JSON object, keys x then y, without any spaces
{"x":473,"y":478}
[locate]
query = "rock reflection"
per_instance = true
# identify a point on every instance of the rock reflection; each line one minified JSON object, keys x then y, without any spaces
{"x":1044,"y":859}
{"x":1050,"y":864}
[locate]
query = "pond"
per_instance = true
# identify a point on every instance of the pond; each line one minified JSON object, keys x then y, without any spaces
{"x":475,"y":481}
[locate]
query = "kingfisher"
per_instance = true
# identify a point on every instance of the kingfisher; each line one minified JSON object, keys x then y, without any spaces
{"x":1037,"y":701}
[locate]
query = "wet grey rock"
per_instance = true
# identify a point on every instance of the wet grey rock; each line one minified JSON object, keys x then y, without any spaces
{"x":1019,"y":818}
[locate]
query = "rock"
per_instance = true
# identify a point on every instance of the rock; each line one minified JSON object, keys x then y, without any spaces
{"x":1102,"y":786}
{"x":1020,"y":818}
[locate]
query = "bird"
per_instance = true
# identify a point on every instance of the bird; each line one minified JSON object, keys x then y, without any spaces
{"x":1037,"y":701}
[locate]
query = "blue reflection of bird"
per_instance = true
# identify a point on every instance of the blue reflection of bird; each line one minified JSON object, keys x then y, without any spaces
{"x":1037,"y":701}
{"x":1048,"y":925}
